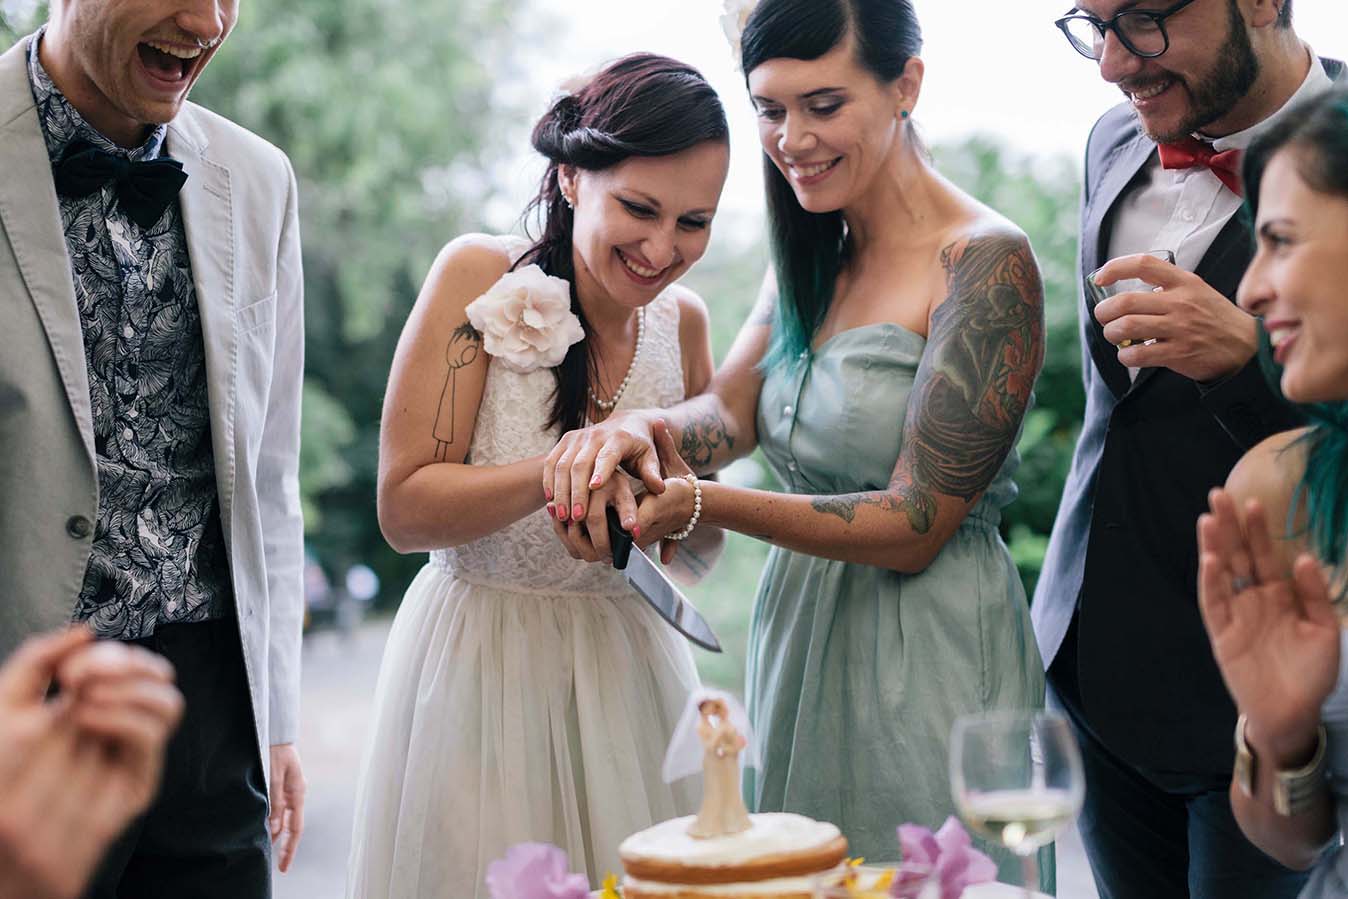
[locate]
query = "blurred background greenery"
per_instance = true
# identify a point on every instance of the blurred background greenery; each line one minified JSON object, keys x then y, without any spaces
{"x":396,"y":115}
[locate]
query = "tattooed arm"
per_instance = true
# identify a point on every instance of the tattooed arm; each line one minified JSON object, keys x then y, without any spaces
{"x":710,"y":429}
{"x":984,"y":351}
{"x":428,"y":497}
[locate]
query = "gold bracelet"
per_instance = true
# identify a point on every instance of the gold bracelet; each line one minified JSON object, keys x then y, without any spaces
{"x":1293,"y":790}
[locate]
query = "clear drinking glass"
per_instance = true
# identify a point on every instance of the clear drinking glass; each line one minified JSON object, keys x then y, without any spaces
{"x":1016,"y":779}
{"x":1095,"y":293}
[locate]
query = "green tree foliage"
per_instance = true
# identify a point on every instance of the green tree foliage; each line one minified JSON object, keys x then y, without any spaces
{"x":385,"y":108}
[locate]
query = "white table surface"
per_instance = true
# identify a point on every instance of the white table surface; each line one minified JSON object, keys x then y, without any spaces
{"x":997,"y":891}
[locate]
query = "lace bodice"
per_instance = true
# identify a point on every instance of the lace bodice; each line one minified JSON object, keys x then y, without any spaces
{"x":526,"y":556}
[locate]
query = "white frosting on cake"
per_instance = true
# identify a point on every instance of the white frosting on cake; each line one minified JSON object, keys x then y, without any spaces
{"x":785,"y":886}
{"x":770,"y":834}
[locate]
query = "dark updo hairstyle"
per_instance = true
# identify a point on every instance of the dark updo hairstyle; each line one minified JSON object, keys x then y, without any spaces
{"x":1316,"y":136}
{"x":809,"y":249}
{"x":641,"y":105}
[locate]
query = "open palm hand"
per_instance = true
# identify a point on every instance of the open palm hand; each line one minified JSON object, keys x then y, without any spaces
{"x":1275,"y":636}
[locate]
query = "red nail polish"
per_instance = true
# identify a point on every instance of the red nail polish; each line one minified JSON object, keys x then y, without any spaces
{"x":578,"y":512}
{"x":636,"y":532}
{"x":552,"y":511}
{"x":561,"y":513}
{"x":594,"y":481}
{"x":547,"y":494}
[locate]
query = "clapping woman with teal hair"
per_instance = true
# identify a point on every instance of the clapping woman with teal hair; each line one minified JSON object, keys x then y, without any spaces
{"x":1275,"y":545}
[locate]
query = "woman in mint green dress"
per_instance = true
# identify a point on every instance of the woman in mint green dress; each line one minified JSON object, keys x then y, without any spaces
{"x":885,"y":374}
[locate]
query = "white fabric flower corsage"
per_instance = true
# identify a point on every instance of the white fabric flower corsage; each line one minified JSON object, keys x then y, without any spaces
{"x":733,"y":20}
{"x":526,"y":320}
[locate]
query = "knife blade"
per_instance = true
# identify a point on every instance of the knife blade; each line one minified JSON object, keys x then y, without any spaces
{"x":657,"y":589}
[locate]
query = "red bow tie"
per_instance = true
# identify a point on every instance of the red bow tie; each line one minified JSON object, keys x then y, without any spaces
{"x":1192,"y":152}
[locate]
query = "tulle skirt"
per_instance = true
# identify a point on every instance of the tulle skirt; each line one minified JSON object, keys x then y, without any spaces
{"x":504,"y":716}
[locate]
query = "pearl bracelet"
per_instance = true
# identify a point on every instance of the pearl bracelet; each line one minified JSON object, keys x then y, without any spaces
{"x":697,"y":510}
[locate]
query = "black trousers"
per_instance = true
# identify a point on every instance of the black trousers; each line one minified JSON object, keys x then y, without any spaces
{"x":205,"y":834}
{"x":1160,"y":835}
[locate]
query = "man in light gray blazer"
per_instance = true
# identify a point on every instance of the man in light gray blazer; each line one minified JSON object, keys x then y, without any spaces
{"x":150,"y":379}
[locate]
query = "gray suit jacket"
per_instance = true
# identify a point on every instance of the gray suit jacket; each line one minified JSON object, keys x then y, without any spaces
{"x":240,"y":216}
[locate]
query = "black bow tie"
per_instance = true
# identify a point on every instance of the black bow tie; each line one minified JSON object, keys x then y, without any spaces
{"x":144,"y":189}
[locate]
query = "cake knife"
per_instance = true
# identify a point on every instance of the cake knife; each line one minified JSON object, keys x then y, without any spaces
{"x":657,"y":589}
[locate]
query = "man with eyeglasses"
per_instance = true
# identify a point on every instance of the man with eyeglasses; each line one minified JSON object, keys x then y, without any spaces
{"x":1174,"y":397}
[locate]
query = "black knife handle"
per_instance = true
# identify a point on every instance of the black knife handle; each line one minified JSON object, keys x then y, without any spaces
{"x":618,"y":539}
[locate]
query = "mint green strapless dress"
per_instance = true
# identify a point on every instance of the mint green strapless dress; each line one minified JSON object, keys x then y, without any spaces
{"x":855,"y":673}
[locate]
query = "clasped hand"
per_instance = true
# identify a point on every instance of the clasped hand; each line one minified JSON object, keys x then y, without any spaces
{"x":1275,"y":635}
{"x":663,"y":509}
{"x":1197,"y":332}
{"x":74,"y":769}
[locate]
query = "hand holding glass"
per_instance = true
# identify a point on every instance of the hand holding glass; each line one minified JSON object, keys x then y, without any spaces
{"x":1095,"y":293}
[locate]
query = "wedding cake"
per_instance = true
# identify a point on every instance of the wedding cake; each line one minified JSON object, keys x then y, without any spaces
{"x":723,"y":851}
{"x":778,"y":857}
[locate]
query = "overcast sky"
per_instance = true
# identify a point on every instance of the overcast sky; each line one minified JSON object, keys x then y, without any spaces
{"x":994,"y":66}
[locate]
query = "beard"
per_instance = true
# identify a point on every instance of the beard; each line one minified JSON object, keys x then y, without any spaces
{"x":1233,"y":74}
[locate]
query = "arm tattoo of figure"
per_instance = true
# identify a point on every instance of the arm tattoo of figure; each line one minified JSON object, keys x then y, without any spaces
{"x":702,"y":437}
{"x":974,"y":383}
{"x":464,"y":345}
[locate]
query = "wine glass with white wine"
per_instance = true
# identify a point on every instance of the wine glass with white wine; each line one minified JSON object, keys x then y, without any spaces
{"x":1017,"y":780}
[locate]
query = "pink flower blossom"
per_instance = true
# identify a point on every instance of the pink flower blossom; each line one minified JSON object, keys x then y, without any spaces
{"x":535,"y":871}
{"x":948,"y":855}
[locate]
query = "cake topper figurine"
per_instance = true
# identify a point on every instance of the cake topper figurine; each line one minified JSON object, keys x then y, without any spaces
{"x":723,"y":810}
{"x":713,"y":736}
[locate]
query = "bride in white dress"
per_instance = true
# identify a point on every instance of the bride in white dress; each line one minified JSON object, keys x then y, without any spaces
{"x":525,"y":695}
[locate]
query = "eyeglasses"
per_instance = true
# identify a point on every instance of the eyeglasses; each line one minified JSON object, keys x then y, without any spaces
{"x":1141,"y":31}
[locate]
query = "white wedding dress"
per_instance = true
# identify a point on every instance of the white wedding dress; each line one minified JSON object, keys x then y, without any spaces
{"x":523,"y":696}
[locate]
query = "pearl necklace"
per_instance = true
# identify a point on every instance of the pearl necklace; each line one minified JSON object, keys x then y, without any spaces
{"x":607,"y":406}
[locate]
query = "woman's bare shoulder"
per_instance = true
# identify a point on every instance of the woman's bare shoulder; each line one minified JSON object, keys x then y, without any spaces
{"x":1270,"y":470}
{"x":463,"y":269}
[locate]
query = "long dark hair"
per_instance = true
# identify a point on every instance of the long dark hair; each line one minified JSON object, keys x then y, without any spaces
{"x":1317,"y":136}
{"x":641,"y":105}
{"x":809,"y":249}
